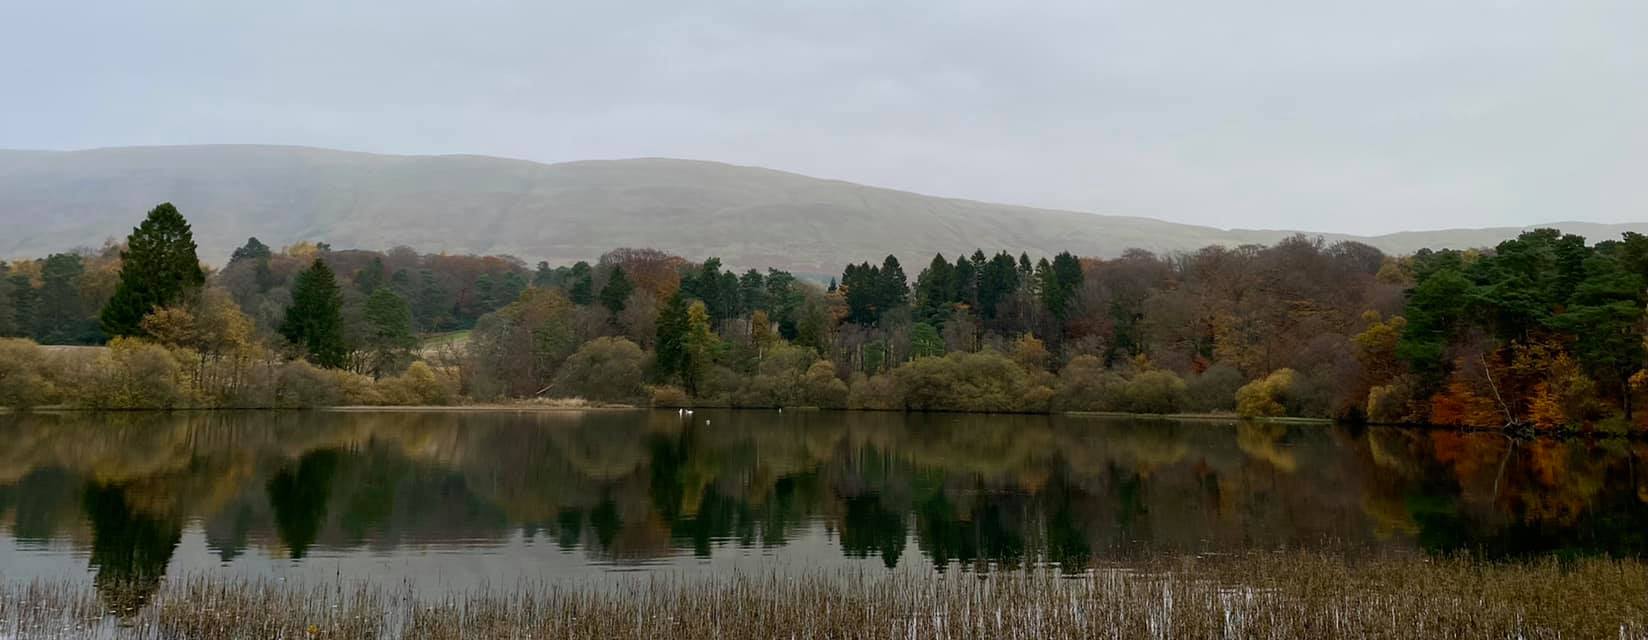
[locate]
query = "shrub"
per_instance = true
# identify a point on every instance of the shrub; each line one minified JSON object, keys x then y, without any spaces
{"x":604,"y":369}
{"x":299,"y":384}
{"x":1390,"y":403}
{"x":985,"y":381}
{"x":24,"y":371}
{"x":1157,"y":391}
{"x":821,"y":388}
{"x":875,"y":393}
{"x":669,"y":396}
{"x":1085,"y":385}
{"x":355,"y":389}
{"x":419,"y":385}
{"x":134,"y":374}
{"x":1267,"y":396}
{"x":1213,"y":389}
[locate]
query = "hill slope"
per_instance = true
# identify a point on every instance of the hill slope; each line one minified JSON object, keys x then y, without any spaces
{"x":752,"y":217}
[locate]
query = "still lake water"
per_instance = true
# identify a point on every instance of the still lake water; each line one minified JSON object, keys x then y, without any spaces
{"x":456,"y":500}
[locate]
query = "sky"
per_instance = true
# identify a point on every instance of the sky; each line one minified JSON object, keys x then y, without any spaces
{"x":1358,"y":117}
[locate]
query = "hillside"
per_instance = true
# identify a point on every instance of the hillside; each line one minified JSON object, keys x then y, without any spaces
{"x":750,"y":217}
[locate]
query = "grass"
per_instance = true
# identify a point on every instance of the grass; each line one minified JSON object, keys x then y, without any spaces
{"x":1282,"y":595}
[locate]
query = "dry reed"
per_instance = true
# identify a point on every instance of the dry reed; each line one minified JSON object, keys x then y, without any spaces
{"x":1255,"y":596}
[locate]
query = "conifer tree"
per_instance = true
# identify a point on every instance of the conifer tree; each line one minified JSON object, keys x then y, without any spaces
{"x":315,"y":319}
{"x":671,"y":354}
{"x":616,"y":291}
{"x":158,"y":268}
{"x":582,"y":291}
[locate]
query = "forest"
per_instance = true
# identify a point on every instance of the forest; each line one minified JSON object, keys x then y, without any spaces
{"x":1545,"y":331}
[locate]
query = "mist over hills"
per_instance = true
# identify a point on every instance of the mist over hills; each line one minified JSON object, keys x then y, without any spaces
{"x":748,"y":216}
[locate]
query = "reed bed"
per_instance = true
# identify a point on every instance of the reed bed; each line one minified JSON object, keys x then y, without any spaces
{"x":1255,"y":596}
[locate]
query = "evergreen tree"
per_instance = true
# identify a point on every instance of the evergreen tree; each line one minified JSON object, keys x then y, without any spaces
{"x":486,"y":295}
{"x":728,"y":304}
{"x":252,"y":250}
{"x":935,"y":291}
{"x":752,"y":292}
{"x":510,"y":291}
{"x":1060,"y":283}
{"x":22,"y":302}
{"x":315,"y":319}
{"x":616,"y":291}
{"x":892,"y":287}
{"x":863,"y":289}
{"x":59,"y":314}
{"x":544,"y":276}
{"x":264,"y":276}
{"x":582,"y":291}
{"x":370,"y":277}
{"x":389,"y":337}
{"x":670,"y":358}
{"x":966,"y":282}
{"x":8,"y":303}
{"x":997,"y":282}
{"x":157,"y":268}
{"x":430,"y":308}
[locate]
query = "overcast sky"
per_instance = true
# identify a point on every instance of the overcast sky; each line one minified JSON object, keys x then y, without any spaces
{"x":1361,"y":117}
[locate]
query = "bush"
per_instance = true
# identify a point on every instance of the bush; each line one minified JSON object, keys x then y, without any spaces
{"x":1391,"y":403}
{"x":1214,"y":389}
{"x":299,"y":384}
{"x":874,"y":393}
{"x":604,"y":369}
{"x":134,"y":374}
{"x":821,"y":388}
{"x":1156,"y":391}
{"x":1267,"y":396}
{"x":669,"y":397}
{"x":986,"y":381}
{"x":419,"y":385}
{"x":1086,"y":385}
{"x":24,"y":375}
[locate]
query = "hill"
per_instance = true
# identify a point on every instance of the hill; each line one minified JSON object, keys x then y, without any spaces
{"x":750,"y":217}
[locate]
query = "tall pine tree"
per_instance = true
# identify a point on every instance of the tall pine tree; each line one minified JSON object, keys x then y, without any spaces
{"x":158,"y":268}
{"x":616,"y":291}
{"x":315,"y":319}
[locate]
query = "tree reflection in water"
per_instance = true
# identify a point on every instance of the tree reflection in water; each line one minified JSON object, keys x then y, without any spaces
{"x":964,"y":491}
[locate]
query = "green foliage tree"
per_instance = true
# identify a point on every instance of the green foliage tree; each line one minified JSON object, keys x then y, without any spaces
{"x":604,"y":369}
{"x":372,"y":276}
{"x":158,"y":268}
{"x":517,"y":350}
{"x":389,"y":338}
{"x":315,"y":319}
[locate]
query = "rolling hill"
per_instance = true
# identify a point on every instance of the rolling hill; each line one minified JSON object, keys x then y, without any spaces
{"x":748,"y":216}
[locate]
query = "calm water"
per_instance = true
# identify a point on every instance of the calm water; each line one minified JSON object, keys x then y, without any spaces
{"x":458,"y":500}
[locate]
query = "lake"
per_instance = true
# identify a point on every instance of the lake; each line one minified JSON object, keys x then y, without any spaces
{"x":446,"y":499}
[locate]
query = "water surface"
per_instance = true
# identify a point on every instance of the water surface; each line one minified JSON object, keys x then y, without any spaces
{"x":451,"y":499}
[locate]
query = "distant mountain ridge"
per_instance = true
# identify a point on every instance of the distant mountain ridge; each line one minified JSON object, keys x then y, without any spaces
{"x":748,"y":216}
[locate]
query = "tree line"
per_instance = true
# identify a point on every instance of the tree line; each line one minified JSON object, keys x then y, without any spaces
{"x":1544,"y":330}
